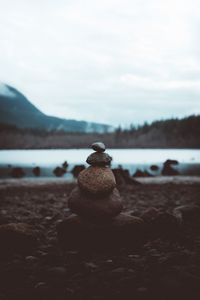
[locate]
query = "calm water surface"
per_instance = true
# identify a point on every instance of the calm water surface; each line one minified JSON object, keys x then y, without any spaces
{"x":128,"y":158}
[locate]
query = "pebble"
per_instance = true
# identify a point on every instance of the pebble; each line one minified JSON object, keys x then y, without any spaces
{"x":90,"y":265}
{"x":98,"y":146}
{"x":97,"y":180}
{"x":150,"y":214}
{"x":48,"y":218}
{"x":99,"y":159}
{"x":31,"y":258}
{"x":40,"y":284}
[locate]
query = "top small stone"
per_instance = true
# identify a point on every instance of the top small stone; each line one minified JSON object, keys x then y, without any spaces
{"x":98,"y":147}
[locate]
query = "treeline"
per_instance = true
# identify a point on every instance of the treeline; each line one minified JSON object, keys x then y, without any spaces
{"x":172,"y":133}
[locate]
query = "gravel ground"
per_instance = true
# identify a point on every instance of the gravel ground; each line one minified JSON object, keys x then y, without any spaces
{"x":163,"y":267}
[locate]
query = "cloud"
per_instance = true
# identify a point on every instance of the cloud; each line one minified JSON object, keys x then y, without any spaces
{"x":103,"y":60}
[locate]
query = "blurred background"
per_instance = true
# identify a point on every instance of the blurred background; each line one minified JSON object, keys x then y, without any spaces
{"x":123,"y":72}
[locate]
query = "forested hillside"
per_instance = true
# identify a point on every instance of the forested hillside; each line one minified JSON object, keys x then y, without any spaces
{"x":172,"y":133}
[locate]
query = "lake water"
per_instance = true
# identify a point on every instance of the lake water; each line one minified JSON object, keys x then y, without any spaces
{"x":132,"y":159}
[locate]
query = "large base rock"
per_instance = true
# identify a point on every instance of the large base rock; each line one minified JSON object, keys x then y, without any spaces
{"x":123,"y":231}
{"x":95,"y":208}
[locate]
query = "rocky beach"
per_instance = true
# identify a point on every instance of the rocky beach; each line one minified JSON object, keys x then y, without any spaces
{"x":149,"y":249}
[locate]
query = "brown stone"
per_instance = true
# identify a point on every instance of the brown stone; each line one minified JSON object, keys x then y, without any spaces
{"x":96,"y":208}
{"x":97,"y":180}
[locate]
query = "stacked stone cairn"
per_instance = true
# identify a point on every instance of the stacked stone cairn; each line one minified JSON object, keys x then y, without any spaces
{"x":96,"y":206}
{"x":96,"y":198}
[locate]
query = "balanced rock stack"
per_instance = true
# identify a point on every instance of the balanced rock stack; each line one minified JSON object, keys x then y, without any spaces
{"x":96,"y":205}
{"x":96,"y":197}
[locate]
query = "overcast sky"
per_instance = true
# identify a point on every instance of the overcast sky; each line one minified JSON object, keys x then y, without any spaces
{"x":110,"y":61}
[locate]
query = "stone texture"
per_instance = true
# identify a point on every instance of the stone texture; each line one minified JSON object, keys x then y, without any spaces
{"x":188,"y":214}
{"x":161,"y":223}
{"x":99,"y":159}
{"x":95,"y":208}
{"x":150,"y":214}
{"x":98,"y":146}
{"x":97,"y":180}
{"x":17,"y":237}
{"x":119,"y":232}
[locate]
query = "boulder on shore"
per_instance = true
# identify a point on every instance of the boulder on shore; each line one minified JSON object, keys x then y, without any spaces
{"x":168,"y":170}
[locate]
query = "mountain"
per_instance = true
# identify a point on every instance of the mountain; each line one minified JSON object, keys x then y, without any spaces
{"x":17,"y":110}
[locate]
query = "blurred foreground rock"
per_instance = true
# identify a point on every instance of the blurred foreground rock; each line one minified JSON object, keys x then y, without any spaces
{"x":17,"y":238}
{"x":122,"y":231}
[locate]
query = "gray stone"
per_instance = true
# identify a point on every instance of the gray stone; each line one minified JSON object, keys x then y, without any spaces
{"x":99,"y":159}
{"x":98,"y":146}
{"x":95,"y":208}
{"x":97,"y":180}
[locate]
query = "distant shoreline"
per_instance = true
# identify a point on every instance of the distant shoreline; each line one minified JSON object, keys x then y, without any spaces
{"x":37,"y":182}
{"x":117,"y":148}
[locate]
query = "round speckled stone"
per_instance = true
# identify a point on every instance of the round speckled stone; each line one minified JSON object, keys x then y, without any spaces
{"x":97,"y":180}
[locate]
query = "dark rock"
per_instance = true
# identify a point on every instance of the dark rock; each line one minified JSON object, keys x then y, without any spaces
{"x":56,"y":272}
{"x":65,"y":165}
{"x":150,"y":214}
{"x":59,"y":172}
{"x":188,"y":214}
{"x":171,"y":162}
{"x":98,"y":146}
{"x":17,"y":237}
{"x":178,"y":284}
{"x":164,"y":224}
{"x":77,"y":169}
{"x":17,"y":172}
{"x":36,"y":171}
{"x":123,"y":230}
{"x":123,"y":177}
{"x":99,"y":159}
{"x":167,"y":168}
{"x":97,"y":180}
{"x":99,"y":208}
{"x":31,"y":259}
{"x":139,"y":173}
{"x":90,"y":265}
{"x":154,"y":168}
